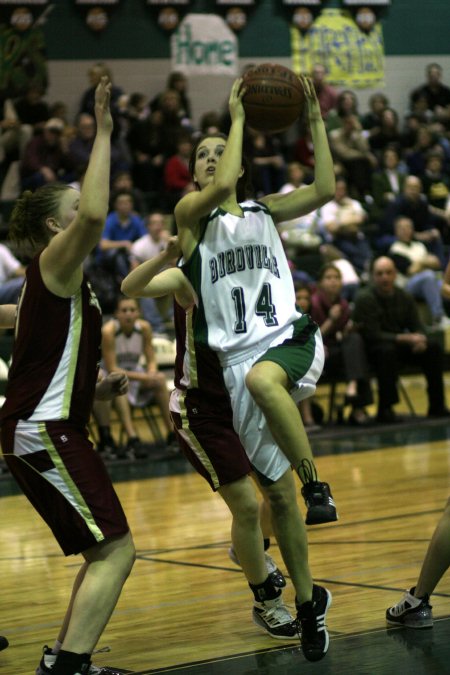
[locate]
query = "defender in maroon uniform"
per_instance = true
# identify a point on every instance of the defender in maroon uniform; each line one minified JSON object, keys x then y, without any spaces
{"x":52,"y":383}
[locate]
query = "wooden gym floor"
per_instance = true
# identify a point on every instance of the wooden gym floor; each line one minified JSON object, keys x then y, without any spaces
{"x":186,"y":608}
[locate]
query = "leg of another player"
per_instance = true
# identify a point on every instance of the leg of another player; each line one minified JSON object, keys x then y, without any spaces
{"x":96,"y":591}
{"x":312,"y":601}
{"x":437,"y":558}
{"x":269,"y":386}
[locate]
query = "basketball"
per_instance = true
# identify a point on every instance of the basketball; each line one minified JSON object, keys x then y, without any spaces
{"x":274,"y":98}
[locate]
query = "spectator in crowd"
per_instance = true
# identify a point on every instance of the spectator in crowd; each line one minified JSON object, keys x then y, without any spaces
{"x":387,"y":182}
{"x":31,"y":109}
{"x":343,"y":219}
{"x":436,"y":94}
{"x":416,"y":270}
{"x":176,"y":82}
{"x":326,"y":94}
{"x":12,"y":274}
{"x":87,"y":102}
{"x":149,"y":147}
{"x":302,"y":150}
{"x":347,"y":104}
{"x":371,"y":121}
{"x":426,"y":141}
{"x":344,"y":347}
{"x":414,"y":205}
{"x":436,"y":188}
{"x":157,"y":311}
{"x":388,"y":132}
{"x":266,"y":161}
{"x":177,"y":179}
{"x":122,"y":228}
{"x":210,"y":123}
{"x":122,"y":181}
{"x":126,"y":341}
{"x":350,"y":147}
{"x":45,"y":159}
{"x":388,"y":320}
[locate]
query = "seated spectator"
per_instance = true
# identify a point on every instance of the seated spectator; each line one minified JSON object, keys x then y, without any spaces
{"x":149,"y":148}
{"x":387,"y":182}
{"x":436,"y":94}
{"x":436,"y":185}
{"x":387,"y":134}
{"x":177,"y":177}
{"x":12,"y":275}
{"x":123,"y":226}
{"x":342,"y":220}
{"x":350,"y":147}
{"x":122,"y":181}
{"x":347,"y":104}
{"x":344,"y":347}
{"x":416,"y":158}
{"x":388,"y":320}
{"x":157,"y":311}
{"x":31,"y":109}
{"x":178,"y":82}
{"x":126,"y":340}
{"x":414,"y":205}
{"x":416,"y":270}
{"x":266,"y":160}
{"x":45,"y":159}
{"x":326,"y":94}
{"x":371,"y":121}
{"x":307,"y":406}
{"x":80,"y":147}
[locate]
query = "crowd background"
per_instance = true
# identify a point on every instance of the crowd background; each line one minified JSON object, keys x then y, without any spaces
{"x":392,"y":190}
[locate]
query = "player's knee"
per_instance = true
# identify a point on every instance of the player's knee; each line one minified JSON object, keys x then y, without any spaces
{"x":257,"y":385}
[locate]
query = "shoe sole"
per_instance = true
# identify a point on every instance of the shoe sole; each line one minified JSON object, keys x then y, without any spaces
{"x":321,"y":521}
{"x":416,"y":626}
{"x":258,"y":622}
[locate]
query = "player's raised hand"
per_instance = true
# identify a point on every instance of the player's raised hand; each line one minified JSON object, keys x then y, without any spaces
{"x":102,"y":105}
{"x":312,"y":102}
{"x":235,"y":101}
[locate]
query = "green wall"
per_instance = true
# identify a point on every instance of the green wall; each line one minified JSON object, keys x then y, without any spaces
{"x":411,"y":27}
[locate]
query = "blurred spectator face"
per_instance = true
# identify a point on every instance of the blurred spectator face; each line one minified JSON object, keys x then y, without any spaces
{"x":350,"y":124}
{"x":424,"y":137}
{"x":331,"y":282}
{"x":86,"y":127}
{"x":295,"y":174}
{"x":434,"y":164}
{"x":170,"y":101}
{"x":341,"y":190}
{"x":318,"y":75}
{"x":434,"y":74}
{"x":404,"y":229}
{"x":185,"y":148}
{"x":178,"y":82}
{"x":391,"y":159}
{"x":52,"y":136}
{"x":377,"y":103}
{"x":389,"y":118}
{"x":412,"y":188}
{"x":383,"y":275}
{"x":127,"y":313}
{"x":123,"y":181}
{"x":123,"y":204}
{"x":347,"y":102}
{"x":156,"y":226}
{"x":303,"y":299}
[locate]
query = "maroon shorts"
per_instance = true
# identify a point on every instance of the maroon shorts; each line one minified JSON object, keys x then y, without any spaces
{"x":65,"y":480}
{"x":207,"y":437}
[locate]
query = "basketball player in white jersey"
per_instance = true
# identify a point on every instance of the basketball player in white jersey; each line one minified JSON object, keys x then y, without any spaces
{"x":272,"y":356}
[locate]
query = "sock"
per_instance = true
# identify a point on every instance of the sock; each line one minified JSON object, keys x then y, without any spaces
{"x":265,"y":591}
{"x":69,"y":663}
{"x":104,"y":433}
{"x":266,"y":543}
{"x":56,"y":647}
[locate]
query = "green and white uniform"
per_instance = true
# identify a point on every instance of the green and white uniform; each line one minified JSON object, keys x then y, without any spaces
{"x":246,"y":312}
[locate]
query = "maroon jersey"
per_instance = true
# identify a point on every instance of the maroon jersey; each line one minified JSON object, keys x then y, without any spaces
{"x":56,"y":353}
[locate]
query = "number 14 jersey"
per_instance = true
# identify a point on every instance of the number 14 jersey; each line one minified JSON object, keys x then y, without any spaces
{"x":243,"y":282}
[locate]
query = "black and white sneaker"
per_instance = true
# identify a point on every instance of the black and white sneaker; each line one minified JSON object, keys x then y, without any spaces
{"x":317,"y":495}
{"x":48,"y":661}
{"x":275,"y":619}
{"x":311,"y":617}
{"x":275,"y":575}
{"x":411,"y":612}
{"x":135,"y":448}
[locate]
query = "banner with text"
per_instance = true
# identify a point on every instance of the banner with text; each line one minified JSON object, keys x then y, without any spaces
{"x":353,"y":58}
{"x":203,"y":44}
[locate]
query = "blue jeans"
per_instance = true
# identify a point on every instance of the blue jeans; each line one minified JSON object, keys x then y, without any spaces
{"x":426,"y":286}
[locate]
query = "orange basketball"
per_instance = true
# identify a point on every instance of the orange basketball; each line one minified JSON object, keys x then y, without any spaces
{"x":274,"y":98}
